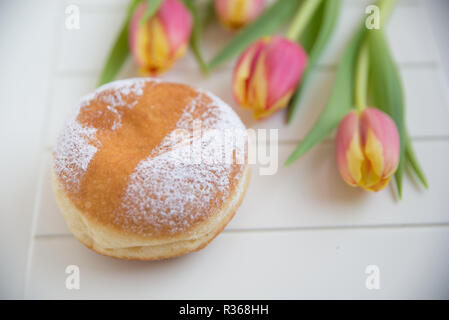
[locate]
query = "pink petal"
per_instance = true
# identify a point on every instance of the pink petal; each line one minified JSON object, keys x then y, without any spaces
{"x":386,"y":132}
{"x":254,"y":49}
{"x":133,"y":29}
{"x":221,"y":6}
{"x":348,"y":128}
{"x":177,"y":22}
{"x":285,"y":61}
{"x":255,"y":9}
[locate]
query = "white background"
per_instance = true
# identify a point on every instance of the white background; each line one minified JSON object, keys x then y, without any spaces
{"x":299,"y":234}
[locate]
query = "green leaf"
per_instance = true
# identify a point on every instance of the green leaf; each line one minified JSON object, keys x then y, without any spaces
{"x":387,"y":92}
{"x":195,"y":38}
{"x":311,"y":32}
{"x":152,"y":7}
{"x":267,"y":23}
{"x":340,"y":101}
{"x":323,"y":25}
{"x":207,"y":13}
{"x":412,"y":161}
{"x":119,"y":51}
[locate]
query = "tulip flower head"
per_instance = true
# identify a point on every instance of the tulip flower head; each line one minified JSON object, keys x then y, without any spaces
{"x":158,"y":42}
{"x":234,"y":14}
{"x":267,"y":74}
{"x":367,"y":149}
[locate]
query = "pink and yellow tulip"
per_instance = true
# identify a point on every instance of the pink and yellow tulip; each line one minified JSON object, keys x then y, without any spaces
{"x":234,"y":14}
{"x":267,"y":74}
{"x":157,"y":43}
{"x":367,"y":149}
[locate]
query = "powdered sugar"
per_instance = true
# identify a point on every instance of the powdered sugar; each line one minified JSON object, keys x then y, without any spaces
{"x":118,"y":89}
{"x":77,"y":144}
{"x":75,"y":148}
{"x":175,"y":187}
{"x":168,"y":188}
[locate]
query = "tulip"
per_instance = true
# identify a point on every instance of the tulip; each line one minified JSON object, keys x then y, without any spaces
{"x":267,"y":74}
{"x":158,"y":42}
{"x":234,"y":14}
{"x":367,"y":149}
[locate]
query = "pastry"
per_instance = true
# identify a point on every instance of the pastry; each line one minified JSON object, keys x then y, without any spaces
{"x":134,"y":179}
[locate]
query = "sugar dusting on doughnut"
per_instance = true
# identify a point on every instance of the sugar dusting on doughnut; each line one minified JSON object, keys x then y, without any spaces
{"x":77,"y":144}
{"x":74,"y":152}
{"x":120,"y":161}
{"x":164,"y":187}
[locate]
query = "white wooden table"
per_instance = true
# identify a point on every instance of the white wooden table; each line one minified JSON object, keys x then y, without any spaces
{"x":301,"y":233}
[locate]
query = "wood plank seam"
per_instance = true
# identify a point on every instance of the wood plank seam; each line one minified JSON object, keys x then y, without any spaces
{"x":35,"y":215}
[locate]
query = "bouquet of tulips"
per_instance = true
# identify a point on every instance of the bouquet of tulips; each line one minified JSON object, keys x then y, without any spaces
{"x":272,"y":70}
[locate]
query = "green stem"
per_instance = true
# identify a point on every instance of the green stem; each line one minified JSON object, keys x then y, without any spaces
{"x":301,"y":20}
{"x":362,"y":67}
{"x":361,"y":78}
{"x":386,"y":7}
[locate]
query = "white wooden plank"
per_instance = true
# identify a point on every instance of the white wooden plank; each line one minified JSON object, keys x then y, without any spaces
{"x":27,"y":35}
{"x":412,"y":262}
{"x":426,"y":101}
{"x":89,"y":5}
{"x":86,"y":49}
{"x":311,"y":193}
{"x":49,"y":219}
{"x":437,"y":15}
{"x":407,"y":24}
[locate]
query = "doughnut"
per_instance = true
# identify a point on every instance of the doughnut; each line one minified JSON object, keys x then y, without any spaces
{"x":145,"y":169}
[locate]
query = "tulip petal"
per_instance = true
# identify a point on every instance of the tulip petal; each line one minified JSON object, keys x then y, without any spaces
{"x":360,"y":149}
{"x":158,"y":47}
{"x":378,"y":126}
{"x":374,"y":156}
{"x":355,"y":160}
{"x":222,"y":9}
{"x":267,"y":73}
{"x":379,"y":186}
{"x":257,"y":87}
{"x":244,"y":70}
{"x":177,"y":23}
{"x":235,"y":14}
{"x":285,"y":62}
{"x":259,"y":114}
{"x":255,"y":8}
{"x":348,"y":149}
{"x":157,"y":43}
{"x":136,"y":38}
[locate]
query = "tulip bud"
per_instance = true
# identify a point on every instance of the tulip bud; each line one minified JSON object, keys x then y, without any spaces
{"x":235,"y":14}
{"x":367,"y":149}
{"x":158,"y":42}
{"x":267,"y":74}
